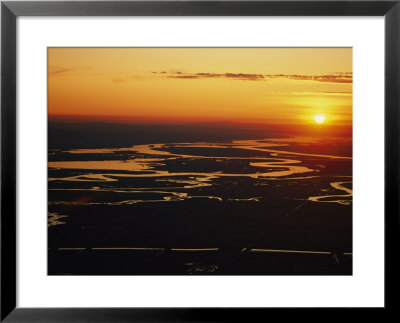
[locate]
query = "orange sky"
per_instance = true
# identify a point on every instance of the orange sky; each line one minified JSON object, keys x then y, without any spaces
{"x":263,"y":85}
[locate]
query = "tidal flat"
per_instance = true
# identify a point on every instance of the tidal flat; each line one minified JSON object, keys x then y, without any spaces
{"x":272,"y":206}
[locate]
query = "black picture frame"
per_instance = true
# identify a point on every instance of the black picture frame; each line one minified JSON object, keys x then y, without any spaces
{"x":10,"y":10}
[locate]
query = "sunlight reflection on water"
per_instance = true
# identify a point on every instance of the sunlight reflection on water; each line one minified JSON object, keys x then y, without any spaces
{"x":274,"y":166}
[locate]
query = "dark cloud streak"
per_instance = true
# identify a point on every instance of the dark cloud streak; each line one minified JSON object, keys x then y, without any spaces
{"x":53,"y":71}
{"x":346,"y":77}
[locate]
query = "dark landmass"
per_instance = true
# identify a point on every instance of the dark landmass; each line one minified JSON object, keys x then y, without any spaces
{"x":223,"y":262}
{"x":255,"y":225}
{"x":100,"y":135}
{"x":67,"y":135}
{"x":323,"y":148}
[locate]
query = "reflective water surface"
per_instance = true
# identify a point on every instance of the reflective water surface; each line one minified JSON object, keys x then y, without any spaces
{"x":149,"y":161}
{"x":199,"y":208}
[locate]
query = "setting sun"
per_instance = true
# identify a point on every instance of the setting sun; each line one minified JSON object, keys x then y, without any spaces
{"x":319,"y":118}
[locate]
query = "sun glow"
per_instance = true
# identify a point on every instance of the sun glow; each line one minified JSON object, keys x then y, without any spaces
{"x":319,"y":118}
{"x":218,"y":84}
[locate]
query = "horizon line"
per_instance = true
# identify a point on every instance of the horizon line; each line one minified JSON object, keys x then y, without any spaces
{"x":147,"y":119}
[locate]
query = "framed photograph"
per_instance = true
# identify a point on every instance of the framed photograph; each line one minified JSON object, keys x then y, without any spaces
{"x":179,"y":160}
{"x":203,"y":177}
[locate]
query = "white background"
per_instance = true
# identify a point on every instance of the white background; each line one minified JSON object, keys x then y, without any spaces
{"x":364,"y":288}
